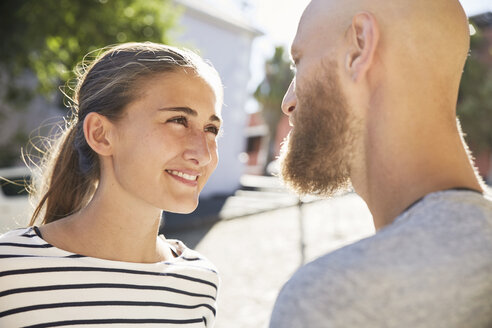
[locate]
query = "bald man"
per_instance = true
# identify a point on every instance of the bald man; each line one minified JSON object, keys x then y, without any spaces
{"x":373,"y":105}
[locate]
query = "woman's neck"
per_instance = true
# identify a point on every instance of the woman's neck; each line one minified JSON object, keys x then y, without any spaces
{"x":110,"y":229}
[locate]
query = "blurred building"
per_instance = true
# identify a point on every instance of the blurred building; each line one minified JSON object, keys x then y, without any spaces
{"x":258,"y":137}
{"x":221,"y":32}
{"x":256,"y":145}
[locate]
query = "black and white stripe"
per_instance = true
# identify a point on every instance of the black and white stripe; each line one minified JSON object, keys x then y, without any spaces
{"x":43,"y":286}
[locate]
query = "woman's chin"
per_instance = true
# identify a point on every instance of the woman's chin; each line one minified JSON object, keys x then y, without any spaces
{"x":183,"y":208}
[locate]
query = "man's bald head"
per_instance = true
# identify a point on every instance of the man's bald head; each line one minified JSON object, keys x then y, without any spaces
{"x":375,"y":91}
{"x":417,"y":38}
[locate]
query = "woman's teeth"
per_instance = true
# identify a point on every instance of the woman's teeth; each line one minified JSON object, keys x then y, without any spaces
{"x":183,"y":175}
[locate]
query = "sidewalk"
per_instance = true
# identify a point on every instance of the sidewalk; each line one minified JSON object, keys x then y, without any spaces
{"x":257,"y":194}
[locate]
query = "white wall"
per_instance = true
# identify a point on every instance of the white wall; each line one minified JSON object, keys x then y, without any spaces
{"x":226,"y":43}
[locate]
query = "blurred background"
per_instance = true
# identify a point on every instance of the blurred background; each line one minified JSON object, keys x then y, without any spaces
{"x":255,"y":231}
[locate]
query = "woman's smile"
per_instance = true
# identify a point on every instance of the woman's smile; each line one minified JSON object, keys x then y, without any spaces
{"x":188,"y":178}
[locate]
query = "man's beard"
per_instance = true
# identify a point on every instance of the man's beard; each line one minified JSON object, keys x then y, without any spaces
{"x":315,"y":157}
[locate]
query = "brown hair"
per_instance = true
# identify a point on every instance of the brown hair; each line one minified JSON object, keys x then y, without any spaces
{"x":71,"y":168}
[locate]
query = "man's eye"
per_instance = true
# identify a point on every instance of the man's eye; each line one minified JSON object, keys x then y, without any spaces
{"x":293,"y":67}
{"x":179,"y":120}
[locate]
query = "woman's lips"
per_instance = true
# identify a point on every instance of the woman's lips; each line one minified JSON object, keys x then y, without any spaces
{"x":189,"y":178}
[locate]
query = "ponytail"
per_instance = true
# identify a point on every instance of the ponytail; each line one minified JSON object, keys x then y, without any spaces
{"x":65,"y":188}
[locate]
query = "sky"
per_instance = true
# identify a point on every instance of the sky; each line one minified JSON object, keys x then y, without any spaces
{"x":279,"y":19}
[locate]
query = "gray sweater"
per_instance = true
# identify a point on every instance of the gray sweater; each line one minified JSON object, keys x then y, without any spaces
{"x":432,"y":267}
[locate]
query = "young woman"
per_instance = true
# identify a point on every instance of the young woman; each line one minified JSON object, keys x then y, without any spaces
{"x":142,"y":139}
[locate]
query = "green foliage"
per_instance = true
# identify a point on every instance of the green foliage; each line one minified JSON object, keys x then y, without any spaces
{"x":270,"y":92}
{"x":475,"y":99}
{"x":50,"y":37}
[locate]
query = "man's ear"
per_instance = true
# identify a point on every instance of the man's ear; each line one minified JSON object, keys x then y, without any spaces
{"x":97,"y":132}
{"x":363,"y":36}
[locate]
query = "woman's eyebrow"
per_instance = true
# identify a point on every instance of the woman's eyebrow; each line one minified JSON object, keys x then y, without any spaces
{"x":186,"y":110}
{"x":189,"y":111}
{"x":215,"y":118}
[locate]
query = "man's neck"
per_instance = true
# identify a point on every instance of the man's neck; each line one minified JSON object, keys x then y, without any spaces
{"x":400,"y":173}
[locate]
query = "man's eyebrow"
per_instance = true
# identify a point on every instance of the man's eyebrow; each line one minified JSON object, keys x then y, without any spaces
{"x":189,"y":111}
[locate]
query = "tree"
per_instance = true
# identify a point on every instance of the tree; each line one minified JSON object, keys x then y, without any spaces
{"x":48,"y":38}
{"x":475,"y":98}
{"x":270,"y":92}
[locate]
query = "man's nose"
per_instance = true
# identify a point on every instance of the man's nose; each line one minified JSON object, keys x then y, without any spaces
{"x":290,"y":101}
{"x":198,"y":150}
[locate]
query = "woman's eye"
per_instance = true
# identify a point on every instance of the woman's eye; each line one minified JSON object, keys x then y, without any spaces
{"x":213,"y":129}
{"x":179,"y":120}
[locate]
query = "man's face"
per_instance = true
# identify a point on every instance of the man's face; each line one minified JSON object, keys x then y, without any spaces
{"x":315,"y":158}
{"x":317,"y":154}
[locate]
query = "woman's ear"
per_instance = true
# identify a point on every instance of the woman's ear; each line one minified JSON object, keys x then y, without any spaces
{"x":363,"y":36}
{"x":97,"y":130}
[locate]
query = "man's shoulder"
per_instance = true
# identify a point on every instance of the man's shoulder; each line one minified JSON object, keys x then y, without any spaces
{"x":446,"y":225}
{"x":334,"y":290}
{"x":453,"y":203}
{"x":437,"y":225}
{"x":422,"y":261}
{"x":344,"y":269}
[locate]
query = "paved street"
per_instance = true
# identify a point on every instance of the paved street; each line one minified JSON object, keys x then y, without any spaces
{"x":256,"y":254}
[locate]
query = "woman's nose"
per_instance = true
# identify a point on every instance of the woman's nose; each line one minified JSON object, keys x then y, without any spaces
{"x":198,"y":150}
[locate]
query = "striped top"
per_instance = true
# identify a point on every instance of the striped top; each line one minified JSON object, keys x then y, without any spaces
{"x":44,"y":286}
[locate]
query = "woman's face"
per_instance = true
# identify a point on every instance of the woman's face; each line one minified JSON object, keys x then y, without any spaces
{"x":166,"y":142}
